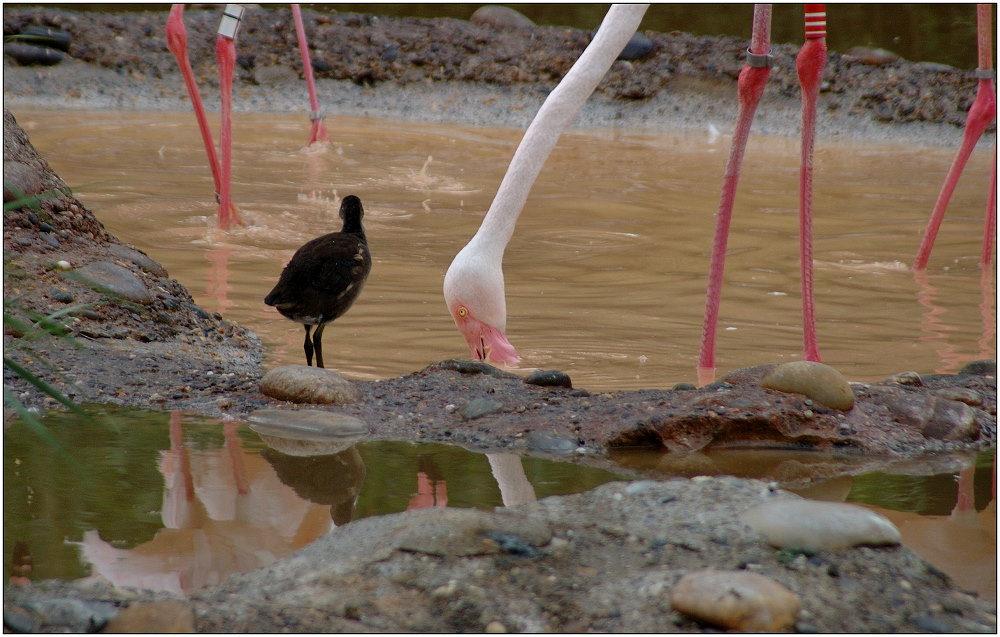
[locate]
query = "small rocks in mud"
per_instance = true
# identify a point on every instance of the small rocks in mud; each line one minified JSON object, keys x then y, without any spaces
{"x":819,"y":382}
{"x":304,"y":384}
{"x":910,"y":378}
{"x":736,"y":600}
{"x":153,"y":617}
{"x":820,"y":526}
{"x":479,"y":407}
{"x":500,"y":17}
{"x":549,"y":378}
{"x":550,"y":442}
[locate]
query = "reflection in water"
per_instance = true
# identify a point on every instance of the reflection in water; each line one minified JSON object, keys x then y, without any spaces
{"x":934,"y":500}
{"x":613,"y":210}
{"x":938,"y":332}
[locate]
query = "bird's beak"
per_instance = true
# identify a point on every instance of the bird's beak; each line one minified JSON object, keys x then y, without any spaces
{"x":487,"y":342}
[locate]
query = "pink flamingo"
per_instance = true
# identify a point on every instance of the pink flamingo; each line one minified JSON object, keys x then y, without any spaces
{"x":473,"y":284}
{"x":750,"y":87}
{"x":177,"y":43}
{"x":318,"y":133}
{"x":983,"y":112}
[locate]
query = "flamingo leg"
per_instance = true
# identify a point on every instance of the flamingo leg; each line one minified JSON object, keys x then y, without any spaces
{"x":177,"y":43}
{"x":991,"y":217}
{"x":983,"y":111}
{"x":225,"y":53}
{"x":319,"y":133}
{"x":750,"y":87}
{"x":809,"y":64}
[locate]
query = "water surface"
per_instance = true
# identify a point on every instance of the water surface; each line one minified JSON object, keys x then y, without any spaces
{"x":606,"y":271}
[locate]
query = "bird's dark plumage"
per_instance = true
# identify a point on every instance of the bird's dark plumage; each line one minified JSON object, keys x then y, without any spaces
{"x":324,"y":277}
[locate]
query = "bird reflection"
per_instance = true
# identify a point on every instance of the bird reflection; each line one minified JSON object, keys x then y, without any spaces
{"x":331,"y":480}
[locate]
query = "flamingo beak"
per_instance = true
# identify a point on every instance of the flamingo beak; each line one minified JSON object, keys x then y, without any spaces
{"x":486,"y":342}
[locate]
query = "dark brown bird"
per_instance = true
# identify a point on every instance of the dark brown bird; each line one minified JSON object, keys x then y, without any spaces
{"x":324,"y":278}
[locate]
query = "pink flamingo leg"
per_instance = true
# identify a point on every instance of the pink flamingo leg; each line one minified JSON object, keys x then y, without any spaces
{"x":983,"y":112}
{"x":319,"y":133}
{"x":225,"y":52}
{"x":177,"y":43}
{"x":750,"y":87}
{"x":991,"y":217}
{"x":809,"y":65}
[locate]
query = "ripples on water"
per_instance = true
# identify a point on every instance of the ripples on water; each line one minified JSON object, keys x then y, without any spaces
{"x":606,"y":272}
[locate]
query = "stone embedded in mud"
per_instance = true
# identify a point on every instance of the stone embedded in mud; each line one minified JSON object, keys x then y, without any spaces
{"x":479,"y":407}
{"x":306,"y":432}
{"x":153,"y":617}
{"x":551,"y":442}
{"x":979,"y":368}
{"x":912,"y":379}
{"x":820,"y":382}
{"x":116,"y":280}
{"x":459,"y":532}
{"x":500,"y":17}
{"x":819,"y":526}
{"x":549,"y":378}
{"x":304,"y":384}
{"x":737,"y":600}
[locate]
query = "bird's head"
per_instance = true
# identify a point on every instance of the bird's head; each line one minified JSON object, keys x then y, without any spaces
{"x":474,"y":293}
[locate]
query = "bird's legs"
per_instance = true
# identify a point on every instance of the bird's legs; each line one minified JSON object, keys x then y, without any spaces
{"x":308,"y":345}
{"x":318,"y":344}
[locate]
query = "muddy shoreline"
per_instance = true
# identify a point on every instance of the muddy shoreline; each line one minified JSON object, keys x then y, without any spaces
{"x":138,"y":339}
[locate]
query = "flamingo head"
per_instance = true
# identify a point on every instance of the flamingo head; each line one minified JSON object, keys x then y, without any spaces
{"x":474,"y":293}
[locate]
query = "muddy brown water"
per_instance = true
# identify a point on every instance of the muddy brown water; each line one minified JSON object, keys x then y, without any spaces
{"x":605,"y":280}
{"x":606,"y":272}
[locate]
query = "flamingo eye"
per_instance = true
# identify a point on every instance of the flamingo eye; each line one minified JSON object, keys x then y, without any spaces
{"x":462,"y":312}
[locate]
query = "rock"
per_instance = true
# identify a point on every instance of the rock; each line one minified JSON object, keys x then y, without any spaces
{"x":872,"y":56}
{"x":304,"y":384}
{"x":500,"y":17}
{"x":306,"y":432}
{"x":72,"y":615}
{"x":113,"y":279}
{"x":638,"y":47}
{"x":138,"y":258}
{"x":45,"y":36}
{"x":551,"y":442}
{"x":960,"y":394}
{"x":153,"y":617}
{"x":549,"y":378}
{"x":975,"y":368}
{"x":910,"y":379}
{"x":32,"y":55}
{"x":20,"y":180}
{"x":460,"y":532}
{"x":736,"y":600}
{"x":819,"y":526}
{"x":479,"y":407}
{"x":820,"y":382}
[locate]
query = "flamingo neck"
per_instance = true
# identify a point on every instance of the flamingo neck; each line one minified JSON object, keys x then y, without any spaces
{"x":559,"y":108}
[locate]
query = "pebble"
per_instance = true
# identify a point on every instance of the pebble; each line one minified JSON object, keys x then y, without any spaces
{"x":153,"y":617}
{"x":116,"y":280}
{"x":820,"y":382}
{"x":979,"y":368}
{"x":872,"y":56}
{"x":910,"y":379}
{"x":72,"y":615}
{"x":304,"y":384}
{"x":479,"y":407}
{"x":736,"y":600}
{"x":638,"y":47}
{"x":30,"y":55}
{"x":812,"y":526}
{"x":960,"y":394}
{"x":550,"y":442}
{"x":549,"y":378}
{"x":62,"y":296}
{"x":495,"y":628}
{"x":684,"y":387}
{"x":500,"y":17}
